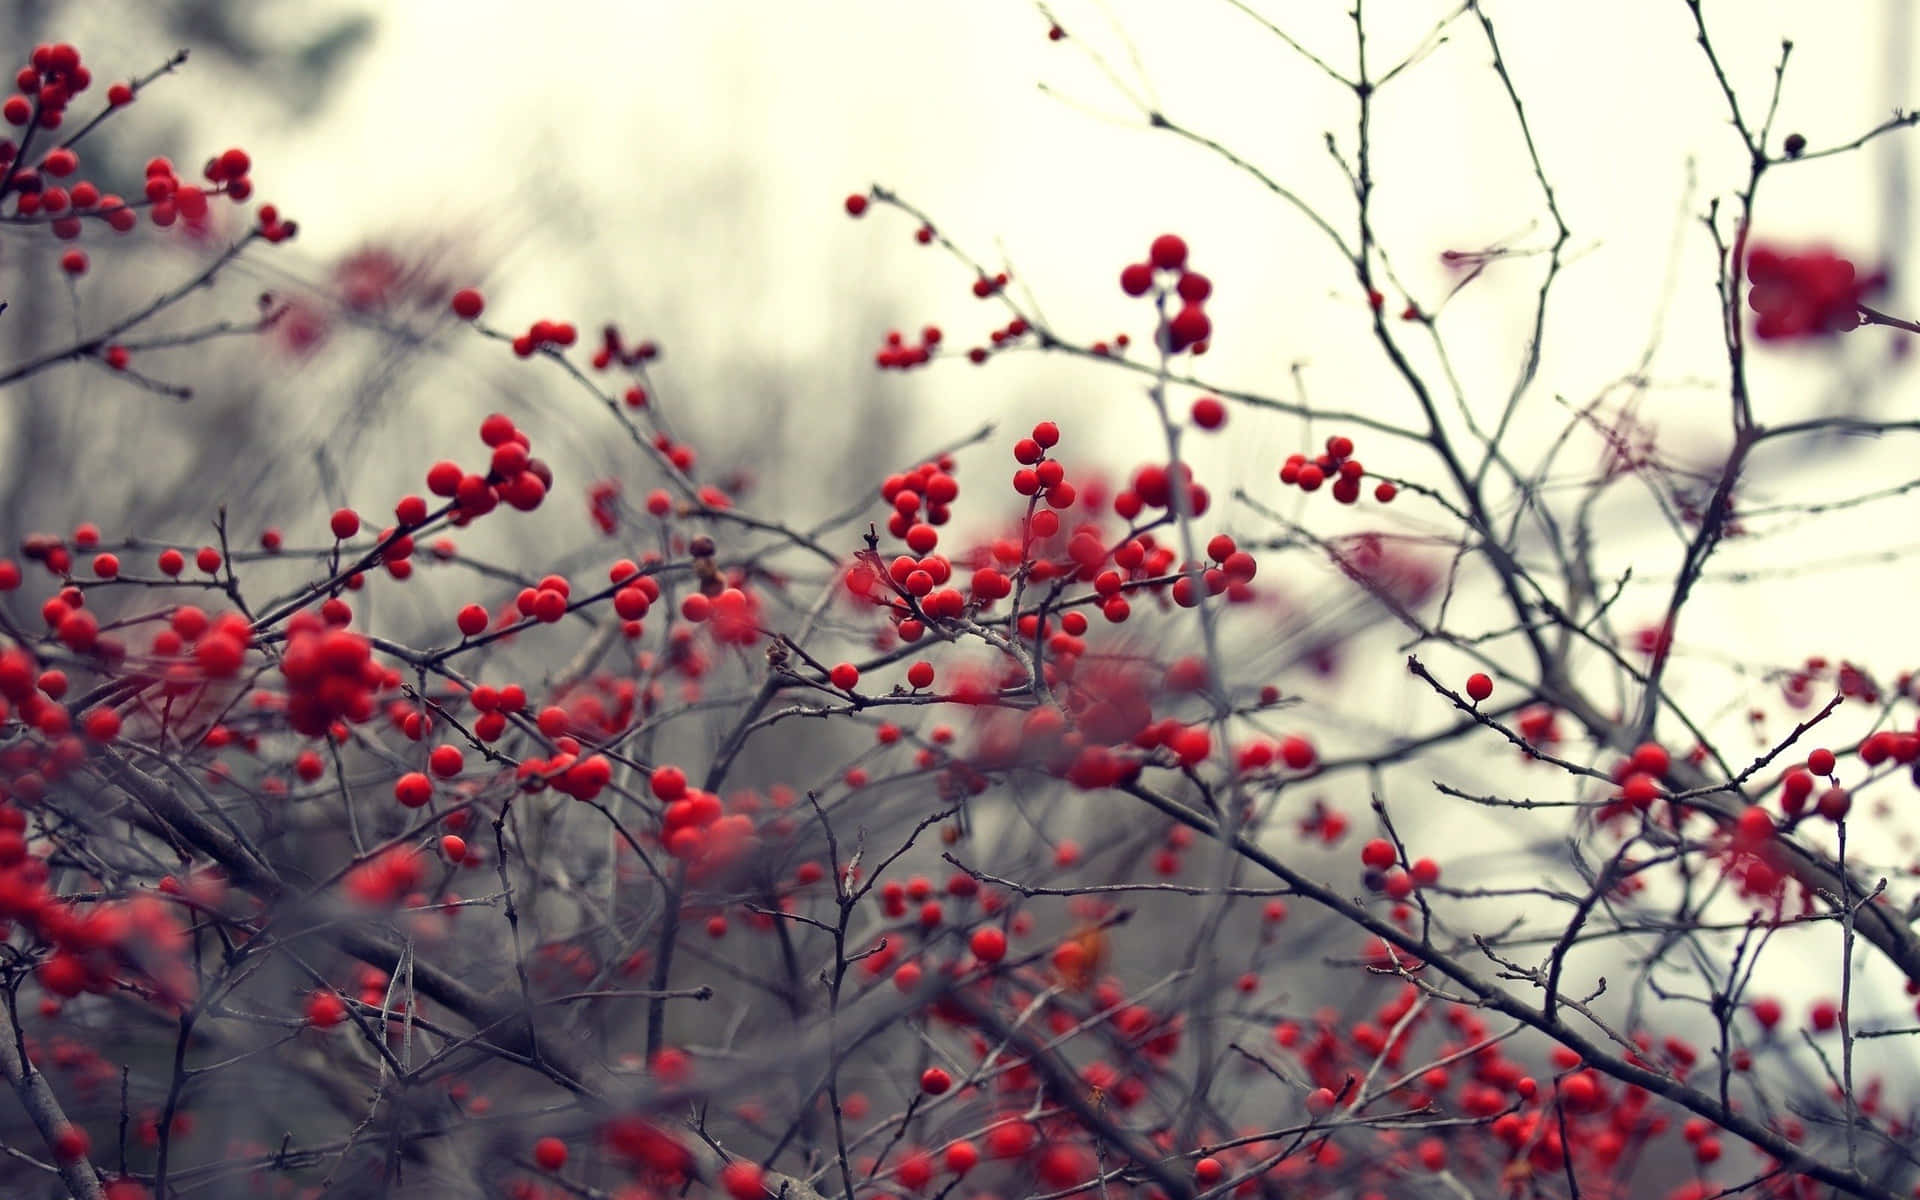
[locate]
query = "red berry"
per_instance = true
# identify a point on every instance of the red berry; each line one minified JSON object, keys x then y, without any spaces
{"x":325,"y":1009}
{"x":413,"y":789}
{"x":1821,"y":762}
{"x":1136,"y":279}
{"x":920,"y":674}
{"x":743,"y":1180}
{"x":934,"y":1081}
{"x":74,"y":262}
{"x":172,"y":562}
{"x":1168,"y":252}
{"x":208,"y":559}
{"x":856,"y":204}
{"x":669,"y":783}
{"x":1479,"y":687}
{"x":1297,"y":753}
{"x":988,"y":944}
{"x":1640,"y":789}
{"x":1209,"y":412}
{"x":1379,"y":854}
{"x":845,"y":675}
{"x":345,"y":523}
{"x":1189,"y":327}
{"x":71,"y":1143}
{"x":1754,"y":826}
{"x":472,"y":620}
{"x":550,"y":1153}
{"x":468,"y":303}
{"x":445,"y":761}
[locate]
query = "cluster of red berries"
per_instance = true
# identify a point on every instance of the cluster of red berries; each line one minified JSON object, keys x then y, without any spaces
{"x":612,"y":350}
{"x":990,"y":285}
{"x":172,"y":199}
{"x":567,"y":772}
{"x":48,"y":83}
{"x":999,"y":339}
{"x":1231,"y":573}
{"x":330,"y":673}
{"x":543,"y":333}
{"x":897,"y":355}
{"x":273,"y":229}
{"x":921,"y":499}
{"x":386,"y":879}
{"x":94,"y":951}
{"x":1337,"y":464}
{"x":31,"y":695}
{"x":513,"y":475}
{"x":61,"y":203}
{"x":495,"y":705}
{"x":603,"y":505}
{"x":695,"y":827}
{"x":930,"y":485}
{"x":1044,"y":478}
{"x":1189,"y":327}
{"x":731,"y":614}
{"x":1152,"y":487}
{"x":1296,"y":753}
{"x":1382,"y":858}
{"x":1810,"y":294}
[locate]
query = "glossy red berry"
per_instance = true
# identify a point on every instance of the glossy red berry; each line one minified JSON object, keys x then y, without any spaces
{"x":1168,"y":252}
{"x":468,"y":303}
{"x":1479,"y":687}
{"x":550,"y":1153}
{"x":856,"y":204}
{"x":934,"y":1081}
{"x":413,"y":789}
{"x":988,"y":944}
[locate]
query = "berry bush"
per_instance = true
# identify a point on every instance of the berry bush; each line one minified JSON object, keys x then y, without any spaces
{"x":1429,"y":812}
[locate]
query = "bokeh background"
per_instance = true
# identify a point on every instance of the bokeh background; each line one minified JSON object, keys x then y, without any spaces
{"x":679,"y":169}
